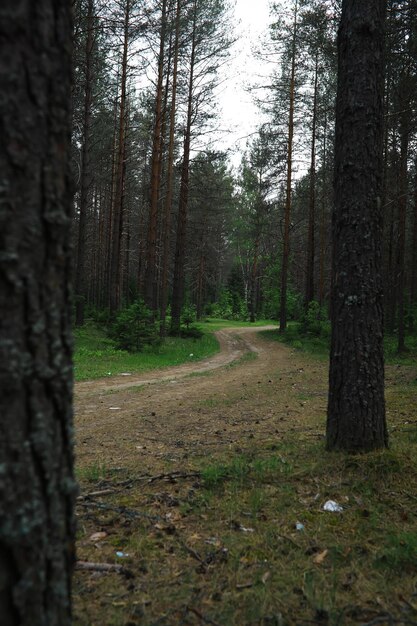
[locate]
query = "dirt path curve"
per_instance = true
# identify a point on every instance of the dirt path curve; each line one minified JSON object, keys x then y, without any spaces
{"x":196,"y":409}
{"x":234,"y":343}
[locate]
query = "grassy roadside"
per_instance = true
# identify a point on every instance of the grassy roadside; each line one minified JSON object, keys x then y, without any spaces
{"x":96,"y":356}
{"x":319,"y":346}
{"x":240,"y":537}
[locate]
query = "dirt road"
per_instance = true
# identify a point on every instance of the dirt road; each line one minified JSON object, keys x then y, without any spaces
{"x":249,"y":390}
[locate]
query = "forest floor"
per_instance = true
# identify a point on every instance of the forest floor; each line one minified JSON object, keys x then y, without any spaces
{"x":202,"y":489}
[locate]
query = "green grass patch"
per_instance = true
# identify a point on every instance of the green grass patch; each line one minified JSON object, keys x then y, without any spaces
{"x":96,"y":355}
{"x":213,"y":324}
{"x":319,"y":345}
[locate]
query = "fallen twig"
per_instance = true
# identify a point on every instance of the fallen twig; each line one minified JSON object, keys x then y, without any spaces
{"x":95,"y":494}
{"x":102,"y":567}
{"x":122,"y":510}
{"x":172,"y":476}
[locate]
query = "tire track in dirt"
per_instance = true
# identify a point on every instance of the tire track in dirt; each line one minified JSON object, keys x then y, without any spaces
{"x":172,"y":415}
{"x":234,"y":343}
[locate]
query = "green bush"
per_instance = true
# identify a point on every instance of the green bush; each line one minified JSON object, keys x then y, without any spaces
{"x":191,"y":332}
{"x":188,"y":316}
{"x":134,"y":328}
{"x":313,"y":322}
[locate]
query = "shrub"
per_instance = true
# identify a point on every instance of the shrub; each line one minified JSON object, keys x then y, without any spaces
{"x":313,"y":320}
{"x":191,"y":332}
{"x":134,"y":328}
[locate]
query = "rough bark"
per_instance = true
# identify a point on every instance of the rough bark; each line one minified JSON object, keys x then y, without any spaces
{"x":37,"y":488}
{"x":356,"y":408}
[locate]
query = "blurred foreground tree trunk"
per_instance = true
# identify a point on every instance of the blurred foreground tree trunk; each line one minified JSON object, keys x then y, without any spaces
{"x":37,"y":489}
{"x":356,"y":408}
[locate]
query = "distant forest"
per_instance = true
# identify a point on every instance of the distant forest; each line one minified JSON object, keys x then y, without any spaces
{"x":160,"y":214}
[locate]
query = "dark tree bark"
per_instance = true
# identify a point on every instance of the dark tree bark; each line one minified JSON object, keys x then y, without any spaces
{"x":37,"y":488}
{"x":356,"y":409}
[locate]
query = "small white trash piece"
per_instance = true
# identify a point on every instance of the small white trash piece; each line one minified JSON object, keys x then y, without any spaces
{"x":299,"y":526}
{"x":332,"y":507}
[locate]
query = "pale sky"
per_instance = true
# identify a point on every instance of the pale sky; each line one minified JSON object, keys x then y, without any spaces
{"x":240,"y":116}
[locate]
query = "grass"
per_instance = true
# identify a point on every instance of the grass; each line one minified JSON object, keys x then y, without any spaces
{"x":222,"y":546}
{"x":319,"y":345}
{"x":213,"y":324}
{"x":228,"y":547}
{"x":96,"y":356}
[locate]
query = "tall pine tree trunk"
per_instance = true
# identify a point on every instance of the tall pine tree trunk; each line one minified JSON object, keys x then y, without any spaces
{"x":179,"y":277}
{"x":309,"y":289}
{"x":288,"y":197}
{"x":150,"y":276}
{"x":37,"y":488}
{"x":323,"y":216}
{"x":402,"y":213}
{"x":356,"y":408}
{"x":118,"y":204}
{"x":166,"y":229}
{"x":413,"y":292}
{"x":79,"y":286}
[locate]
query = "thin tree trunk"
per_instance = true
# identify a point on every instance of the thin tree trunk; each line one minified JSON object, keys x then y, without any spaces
{"x":37,"y":488}
{"x":413,"y":291}
{"x":150,"y":277}
{"x":179,"y":278}
{"x":309,"y":289}
{"x":287,"y":217}
{"x":254,"y":278}
{"x":80,"y":287}
{"x":323,"y":215}
{"x":117,"y":221}
{"x":402,"y":211}
{"x":170,"y":179}
{"x":356,"y":408}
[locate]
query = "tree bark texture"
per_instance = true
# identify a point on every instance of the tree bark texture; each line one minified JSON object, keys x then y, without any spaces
{"x":37,"y":489}
{"x":356,"y":408}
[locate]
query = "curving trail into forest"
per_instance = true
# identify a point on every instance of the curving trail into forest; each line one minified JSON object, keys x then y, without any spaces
{"x":234,"y":344}
{"x":251,"y":389}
